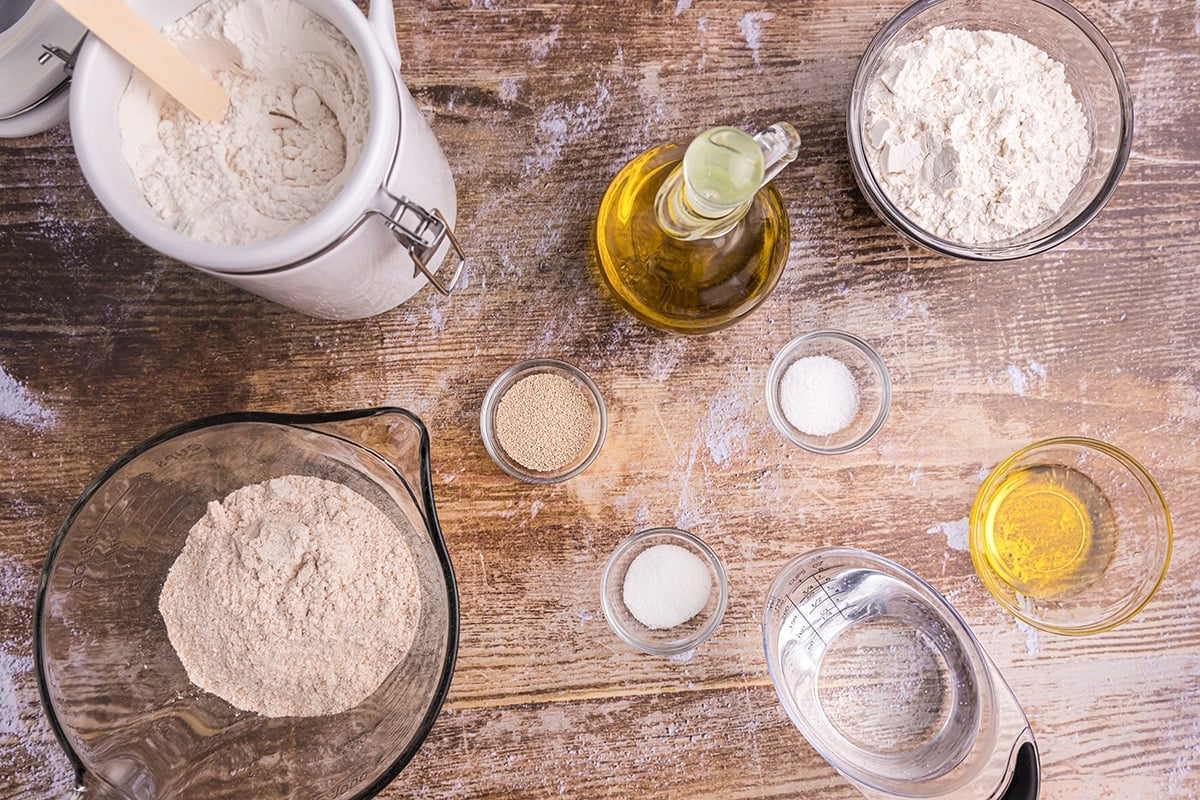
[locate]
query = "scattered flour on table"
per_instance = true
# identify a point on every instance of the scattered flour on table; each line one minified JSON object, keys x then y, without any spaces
{"x":292,"y":597}
{"x":30,"y":759}
{"x":957,"y":533}
{"x":19,"y":406}
{"x":1020,"y":377}
{"x":975,"y":134}
{"x":724,"y":427}
{"x":563,"y":123}
{"x":295,"y":128}
{"x":1033,"y":645}
{"x":751,"y":27}
{"x":1017,"y":379}
{"x":540,"y":46}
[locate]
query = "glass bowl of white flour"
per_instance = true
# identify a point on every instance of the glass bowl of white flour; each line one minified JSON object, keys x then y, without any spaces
{"x":989,"y":131}
{"x":251,"y":606}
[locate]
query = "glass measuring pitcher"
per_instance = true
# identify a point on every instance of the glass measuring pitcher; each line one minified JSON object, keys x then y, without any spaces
{"x":889,"y":685}
{"x":117,"y":695}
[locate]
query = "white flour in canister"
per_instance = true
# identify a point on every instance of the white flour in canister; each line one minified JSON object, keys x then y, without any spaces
{"x":292,"y":597}
{"x":296,"y":125}
{"x":975,"y":135}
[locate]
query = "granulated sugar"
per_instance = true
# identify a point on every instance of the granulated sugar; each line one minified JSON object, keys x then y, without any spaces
{"x":975,"y":135}
{"x":666,"y":585}
{"x":818,"y":395}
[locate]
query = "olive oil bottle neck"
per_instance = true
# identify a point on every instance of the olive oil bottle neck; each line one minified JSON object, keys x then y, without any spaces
{"x":711,"y":190}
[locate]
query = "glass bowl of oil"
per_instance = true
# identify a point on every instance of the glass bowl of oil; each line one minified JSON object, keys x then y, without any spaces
{"x":1071,"y":535}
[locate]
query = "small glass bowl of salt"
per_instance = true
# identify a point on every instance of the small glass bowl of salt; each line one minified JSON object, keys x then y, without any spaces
{"x":828,"y":392}
{"x":663,"y":591}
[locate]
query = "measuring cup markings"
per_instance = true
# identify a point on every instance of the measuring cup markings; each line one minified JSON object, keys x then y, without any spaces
{"x":95,"y":561}
{"x":90,"y":553}
{"x":821,"y":606}
{"x":885,"y":680}
{"x":105,"y":647}
{"x":182,"y":453}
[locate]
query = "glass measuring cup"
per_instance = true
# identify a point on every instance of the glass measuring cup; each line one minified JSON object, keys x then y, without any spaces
{"x":116,"y":694}
{"x":889,"y":685}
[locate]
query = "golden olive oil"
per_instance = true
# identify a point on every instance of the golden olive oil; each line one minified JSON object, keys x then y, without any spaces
{"x":1049,"y":531}
{"x":686,"y":286}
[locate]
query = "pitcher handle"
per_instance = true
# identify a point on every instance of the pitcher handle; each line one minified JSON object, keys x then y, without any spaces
{"x":382,"y":18}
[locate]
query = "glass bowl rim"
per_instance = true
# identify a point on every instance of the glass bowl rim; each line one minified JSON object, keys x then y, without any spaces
{"x":709,"y":556}
{"x":851,"y":558}
{"x":1132,"y":467}
{"x":389,"y":771}
{"x":783,"y":359}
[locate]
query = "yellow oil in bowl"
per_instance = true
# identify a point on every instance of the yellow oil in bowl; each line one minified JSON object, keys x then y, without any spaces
{"x":1049,"y":531}
{"x":1070,"y":535}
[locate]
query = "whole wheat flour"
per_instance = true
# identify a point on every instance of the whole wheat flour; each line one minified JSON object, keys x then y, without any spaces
{"x":293,"y":597}
{"x":975,"y":134}
{"x":295,"y":128}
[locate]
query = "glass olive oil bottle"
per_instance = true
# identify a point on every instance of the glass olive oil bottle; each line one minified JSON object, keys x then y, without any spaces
{"x":692,"y":239}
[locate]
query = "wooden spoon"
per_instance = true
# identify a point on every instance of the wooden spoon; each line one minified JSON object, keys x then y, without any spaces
{"x":135,"y":40}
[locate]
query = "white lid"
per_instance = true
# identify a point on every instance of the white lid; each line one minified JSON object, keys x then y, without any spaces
{"x":32,"y":82}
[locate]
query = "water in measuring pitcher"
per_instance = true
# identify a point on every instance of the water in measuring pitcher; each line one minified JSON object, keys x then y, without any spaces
{"x":879,"y":673}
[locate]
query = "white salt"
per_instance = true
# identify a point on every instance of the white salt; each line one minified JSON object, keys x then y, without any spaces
{"x":666,"y":585}
{"x":818,"y":395}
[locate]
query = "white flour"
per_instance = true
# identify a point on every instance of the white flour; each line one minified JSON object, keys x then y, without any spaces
{"x":293,"y":597}
{"x":18,"y":405}
{"x":975,"y":134}
{"x":297,"y":120}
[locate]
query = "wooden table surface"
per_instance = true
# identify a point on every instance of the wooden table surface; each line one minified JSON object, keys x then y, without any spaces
{"x":103,"y":343}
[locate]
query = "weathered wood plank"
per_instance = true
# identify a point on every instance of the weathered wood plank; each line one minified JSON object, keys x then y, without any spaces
{"x":537,"y":105}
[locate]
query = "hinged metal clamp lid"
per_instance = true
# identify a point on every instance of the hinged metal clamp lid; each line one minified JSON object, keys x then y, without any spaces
{"x":33,"y":81}
{"x":422,"y":232}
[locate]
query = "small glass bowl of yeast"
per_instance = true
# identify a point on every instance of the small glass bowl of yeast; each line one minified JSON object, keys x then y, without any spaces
{"x":543,"y":421}
{"x":1095,"y":78}
{"x":653,"y":591}
{"x":1070,"y":535}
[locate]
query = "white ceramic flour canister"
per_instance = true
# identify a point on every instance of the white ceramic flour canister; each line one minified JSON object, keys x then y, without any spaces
{"x":376,"y":244}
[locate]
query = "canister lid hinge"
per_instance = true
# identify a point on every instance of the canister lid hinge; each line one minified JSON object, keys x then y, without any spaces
{"x":50,"y":51}
{"x":68,"y":57}
{"x":422,"y":233}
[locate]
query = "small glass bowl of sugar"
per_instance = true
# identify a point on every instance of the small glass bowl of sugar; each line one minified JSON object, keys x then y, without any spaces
{"x":663,"y":591}
{"x":828,"y":392}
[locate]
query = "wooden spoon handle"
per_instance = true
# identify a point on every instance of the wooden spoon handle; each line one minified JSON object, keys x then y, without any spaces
{"x":135,"y":40}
